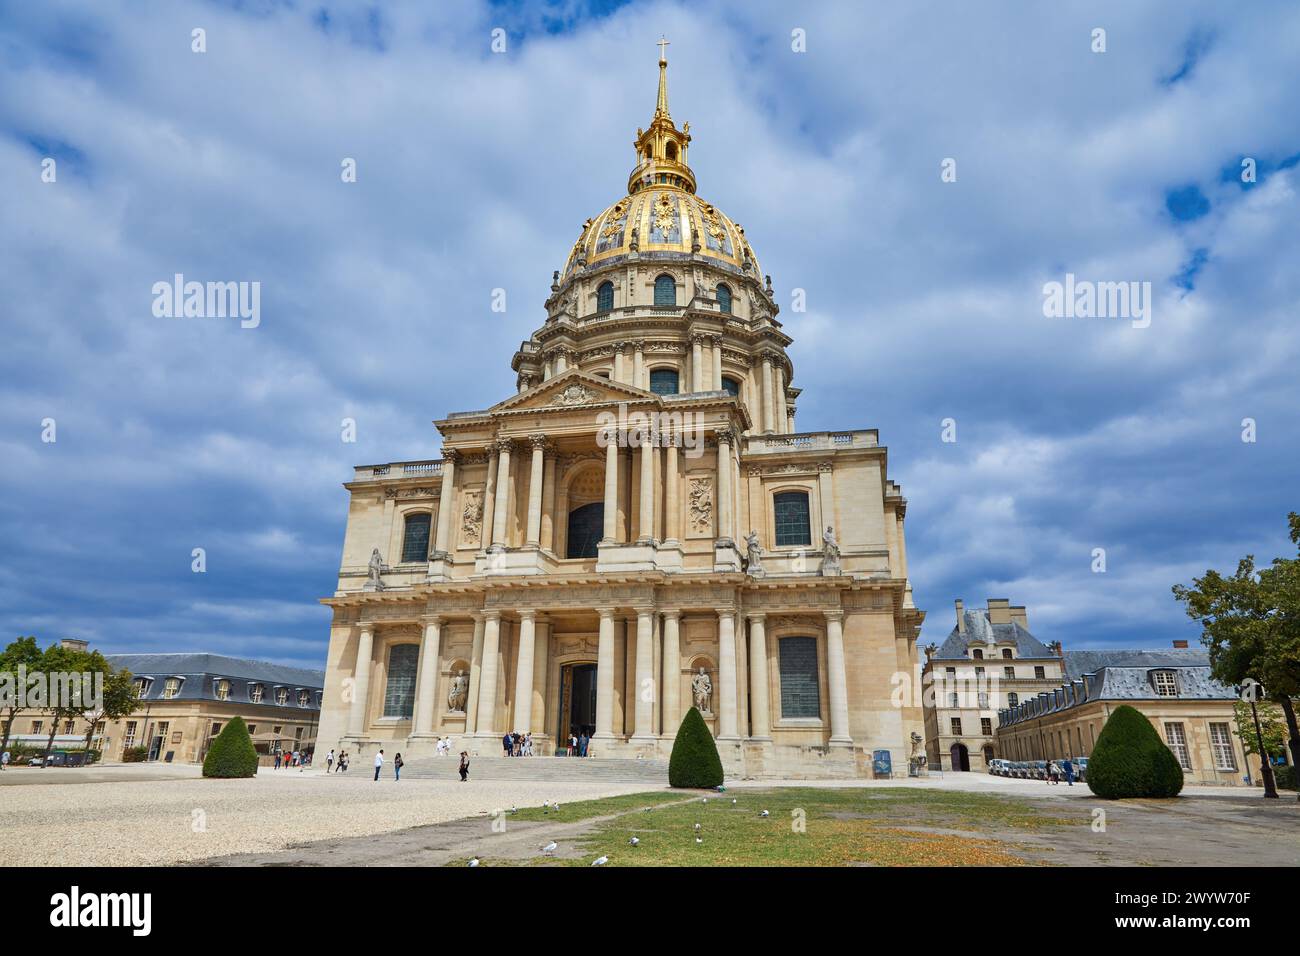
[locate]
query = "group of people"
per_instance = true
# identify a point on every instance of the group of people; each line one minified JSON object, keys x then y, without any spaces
{"x":578,"y":744}
{"x":1056,"y":771}
{"x":517,"y":745}
{"x":341,"y":760}
{"x":297,"y":758}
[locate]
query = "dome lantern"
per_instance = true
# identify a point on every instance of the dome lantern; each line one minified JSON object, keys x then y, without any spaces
{"x":661,"y":149}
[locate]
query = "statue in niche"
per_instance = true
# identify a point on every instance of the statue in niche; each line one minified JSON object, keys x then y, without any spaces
{"x":374,"y":576}
{"x":830,"y":553}
{"x":753,"y":554}
{"x":458,"y":694}
{"x":702,"y":689}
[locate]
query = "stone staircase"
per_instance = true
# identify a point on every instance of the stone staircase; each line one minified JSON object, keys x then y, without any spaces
{"x":541,"y":769}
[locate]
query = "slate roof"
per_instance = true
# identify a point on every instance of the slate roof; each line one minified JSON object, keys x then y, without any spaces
{"x":201,"y":670}
{"x":1078,"y":663}
{"x":980,"y":631}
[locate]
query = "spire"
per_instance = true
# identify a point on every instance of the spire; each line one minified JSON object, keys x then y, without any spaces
{"x":661,"y":104}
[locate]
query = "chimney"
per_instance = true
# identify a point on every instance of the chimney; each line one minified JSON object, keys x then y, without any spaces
{"x":999,"y":611}
{"x":72,"y":644}
{"x":961,"y":616}
{"x":1180,"y":645}
{"x":1020,"y":616}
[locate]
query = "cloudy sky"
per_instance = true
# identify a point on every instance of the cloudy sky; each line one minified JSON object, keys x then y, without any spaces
{"x":475,"y":170}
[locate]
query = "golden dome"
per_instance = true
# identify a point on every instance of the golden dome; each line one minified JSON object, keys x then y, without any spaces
{"x":661,"y":218}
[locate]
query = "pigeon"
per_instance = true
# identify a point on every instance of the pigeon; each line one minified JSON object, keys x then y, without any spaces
{"x":733,"y":801}
{"x":633,"y":842}
{"x":697,"y":828}
{"x":473,"y":862}
{"x":550,"y":848}
{"x":600,"y":861}
{"x":764,"y":814}
{"x":513,"y":808}
{"x":698,"y":840}
{"x":706,"y":799}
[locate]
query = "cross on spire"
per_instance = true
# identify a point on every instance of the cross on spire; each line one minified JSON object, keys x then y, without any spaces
{"x":661,"y":43}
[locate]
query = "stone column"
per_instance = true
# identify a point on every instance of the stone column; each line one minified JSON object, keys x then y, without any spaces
{"x":672,"y":676}
{"x":618,"y":373}
{"x":647,"y":520}
{"x":426,"y":690}
{"x":646,"y":692}
{"x":767,"y":426}
{"x":541,"y":661}
{"x":523,"y":713}
{"x":716,"y":380}
{"x":638,"y":365}
{"x":610,"y":534}
{"x":533,"y":538}
{"x":487,"y":685}
{"x":475,"y":674}
{"x":489,"y":500}
{"x":361,"y":682}
{"x":724,"y":486}
{"x":561,"y":361}
{"x":759,"y":710}
{"x":500,"y":511}
{"x":445,"y":507}
{"x":837,"y":679}
{"x":697,"y":363}
{"x":605,"y":676}
{"x":672,"y":531}
{"x":727,"y":675}
{"x":548,"y":501}
{"x":780,"y":426}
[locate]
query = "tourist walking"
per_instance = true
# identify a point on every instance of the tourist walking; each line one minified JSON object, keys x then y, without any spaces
{"x":329,"y":760}
{"x":528,"y":745}
{"x":573,"y":744}
{"x":379,"y":764}
{"x":464,"y":766}
{"x":1068,"y":767}
{"x":277,"y":760}
{"x":583,"y":741}
{"x":4,"y":760}
{"x":397,"y":767}
{"x":506,"y":744}
{"x":1052,"y":776}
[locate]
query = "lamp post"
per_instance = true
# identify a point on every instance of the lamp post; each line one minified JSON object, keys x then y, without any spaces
{"x":1248,"y":690}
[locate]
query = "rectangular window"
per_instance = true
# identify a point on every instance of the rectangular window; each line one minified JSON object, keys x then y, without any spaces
{"x":37,"y":725}
{"x":800,"y":686}
{"x":954,"y":724}
{"x":216,"y":728}
{"x":128,"y":739}
{"x":986,"y":726}
{"x":172,"y":687}
{"x":950,"y":671}
{"x":415,"y":543}
{"x":1165,"y":683}
{"x":792,"y":523}
{"x":1177,"y":742}
{"x":1221,"y":741}
{"x":399,"y":694}
{"x":1009,"y":673}
{"x":1039,"y":673}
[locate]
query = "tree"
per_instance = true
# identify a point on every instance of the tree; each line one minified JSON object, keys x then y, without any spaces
{"x":120,"y":699}
{"x":1251,"y":624}
{"x":694,"y":761}
{"x":66,"y":672}
{"x":1130,"y":760}
{"x":1272,"y":730}
{"x":24,"y":652}
{"x":232,"y":753}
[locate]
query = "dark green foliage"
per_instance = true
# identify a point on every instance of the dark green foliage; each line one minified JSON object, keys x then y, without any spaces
{"x":1286,"y":778}
{"x":695,"y":761}
{"x":1130,"y":760}
{"x":232,"y":753}
{"x":135,"y":755}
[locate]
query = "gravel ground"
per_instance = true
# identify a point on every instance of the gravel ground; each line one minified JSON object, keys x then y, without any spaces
{"x":171,"y":821}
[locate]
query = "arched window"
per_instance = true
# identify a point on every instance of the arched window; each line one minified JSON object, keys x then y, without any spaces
{"x":800,"y":689}
{"x":663,"y":381}
{"x":399,"y":694}
{"x":586,"y":527}
{"x":792,"y":526}
{"x":731,"y":386}
{"x":665,"y":290}
{"x":415,"y":542}
{"x":1006,"y":653}
{"x":672,"y":152}
{"x":977,"y":654}
{"x":724,"y":298}
{"x":605,"y":297}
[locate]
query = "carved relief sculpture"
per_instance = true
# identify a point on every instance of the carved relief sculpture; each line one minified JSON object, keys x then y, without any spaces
{"x":471,"y":519}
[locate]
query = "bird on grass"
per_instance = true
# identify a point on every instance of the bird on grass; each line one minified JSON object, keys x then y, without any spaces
{"x":600,"y":861}
{"x":635,"y":841}
{"x":733,"y":801}
{"x":765,"y":814}
{"x":699,"y":840}
{"x":513,"y":808}
{"x":706,"y":799}
{"x":473,"y":862}
{"x":550,"y":848}
{"x":697,"y":828}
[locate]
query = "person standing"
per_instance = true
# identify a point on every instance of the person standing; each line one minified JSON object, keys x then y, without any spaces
{"x":329,"y":760}
{"x":1068,"y":767}
{"x":379,"y":764}
{"x":583,"y":742}
{"x":4,"y":760}
{"x":277,"y":760}
{"x":464,"y":766}
{"x":505,"y":743}
{"x":397,"y":767}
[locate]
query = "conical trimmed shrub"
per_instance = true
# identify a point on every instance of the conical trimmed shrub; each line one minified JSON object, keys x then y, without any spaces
{"x":1130,"y":760}
{"x":232,"y":753}
{"x":695,"y":762}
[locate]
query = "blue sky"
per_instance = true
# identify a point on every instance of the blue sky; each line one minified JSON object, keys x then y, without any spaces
{"x":475,"y":171}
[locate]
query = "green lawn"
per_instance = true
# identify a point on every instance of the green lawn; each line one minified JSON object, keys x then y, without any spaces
{"x":805,"y":827}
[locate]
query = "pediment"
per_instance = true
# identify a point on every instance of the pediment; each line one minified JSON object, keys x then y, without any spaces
{"x":573,"y":388}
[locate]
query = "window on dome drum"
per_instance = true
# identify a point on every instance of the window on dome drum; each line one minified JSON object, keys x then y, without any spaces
{"x":663,"y":381}
{"x":672,"y":151}
{"x":415,"y":543}
{"x":605,"y":297}
{"x":791,"y":511}
{"x":724,"y":298}
{"x":399,"y":694}
{"x":1165,"y":683}
{"x":665,"y":290}
{"x":800,"y":688}
{"x":586,"y":527}
{"x":731,"y":386}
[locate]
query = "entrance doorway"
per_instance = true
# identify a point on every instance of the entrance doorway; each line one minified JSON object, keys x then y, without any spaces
{"x":577,"y":702}
{"x":960,"y":757}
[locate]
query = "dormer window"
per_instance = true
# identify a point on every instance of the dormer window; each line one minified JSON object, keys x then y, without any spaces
{"x":172,"y":688}
{"x":282,"y":696}
{"x":304,"y":698}
{"x":255,"y":693}
{"x":1165,"y":683}
{"x":222,"y":689}
{"x":977,"y":654}
{"x":142,"y":686}
{"x":1006,"y":653}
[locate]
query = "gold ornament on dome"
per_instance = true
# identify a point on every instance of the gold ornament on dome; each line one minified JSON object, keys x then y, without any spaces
{"x":665,"y":214}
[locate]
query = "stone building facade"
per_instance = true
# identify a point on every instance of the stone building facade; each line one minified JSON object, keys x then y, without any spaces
{"x":639,"y":528}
